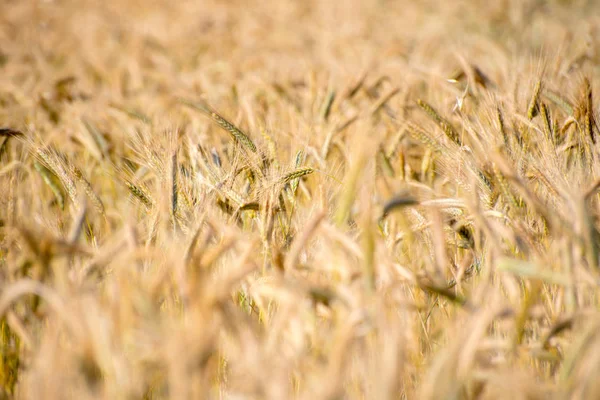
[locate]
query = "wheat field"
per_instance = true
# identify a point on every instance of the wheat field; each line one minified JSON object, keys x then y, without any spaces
{"x":299,"y":199}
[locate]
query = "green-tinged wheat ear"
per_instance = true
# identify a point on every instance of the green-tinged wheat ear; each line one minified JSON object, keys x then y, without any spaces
{"x":155,"y":161}
{"x":442,"y":122}
{"x":250,"y":176}
{"x":555,"y":130}
{"x":547,"y":120}
{"x":271,"y":146}
{"x":588,"y":115}
{"x":541,"y":177}
{"x":502,"y":126}
{"x":215,"y":183}
{"x":237,"y":133}
{"x":10,"y":361}
{"x":173,"y":181}
{"x":521,"y":134}
{"x":89,"y":191}
{"x":560,"y":101}
{"x":140,"y":194}
{"x":588,"y":125}
{"x":326,"y":108}
{"x":297,"y":174}
{"x":567,"y":124}
{"x":486,"y":176}
{"x":51,"y":180}
{"x":294,"y":184}
{"x":229,"y":194}
{"x":427,"y":163}
{"x":97,"y":137}
{"x":133,"y":113}
{"x":534,"y":108}
{"x":504,"y":186}
{"x":348,"y":193}
{"x":298,"y":159}
{"x":60,"y":172}
{"x":419,"y":134}
{"x":252,"y":206}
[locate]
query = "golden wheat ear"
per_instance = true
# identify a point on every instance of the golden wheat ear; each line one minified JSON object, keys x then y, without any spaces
{"x":443,"y":123}
{"x":236,"y":132}
{"x":534,"y":107}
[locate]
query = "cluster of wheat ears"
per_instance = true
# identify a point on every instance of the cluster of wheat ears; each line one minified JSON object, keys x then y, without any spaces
{"x":312,"y":200}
